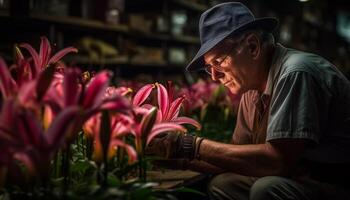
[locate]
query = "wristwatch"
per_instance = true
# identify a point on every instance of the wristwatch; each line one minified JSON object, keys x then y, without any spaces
{"x":188,"y":146}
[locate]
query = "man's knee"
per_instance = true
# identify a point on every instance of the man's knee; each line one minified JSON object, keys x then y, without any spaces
{"x":264,"y":187}
{"x":275,"y":187}
{"x":230,"y":186}
{"x":216,"y":186}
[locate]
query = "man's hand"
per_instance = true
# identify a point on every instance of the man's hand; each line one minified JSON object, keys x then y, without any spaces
{"x":172,"y":146}
{"x":166,"y":145}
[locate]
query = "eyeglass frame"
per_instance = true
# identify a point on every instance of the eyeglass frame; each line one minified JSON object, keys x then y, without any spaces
{"x":208,"y":67}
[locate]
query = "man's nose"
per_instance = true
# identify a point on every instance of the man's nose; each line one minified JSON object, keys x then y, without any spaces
{"x":215,"y":75}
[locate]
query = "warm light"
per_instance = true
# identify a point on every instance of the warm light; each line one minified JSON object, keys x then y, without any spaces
{"x":303,"y":0}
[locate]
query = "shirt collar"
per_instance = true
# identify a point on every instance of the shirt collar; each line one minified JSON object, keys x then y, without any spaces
{"x":274,"y":69}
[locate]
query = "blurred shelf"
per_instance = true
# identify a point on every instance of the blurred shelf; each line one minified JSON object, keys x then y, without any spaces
{"x":145,"y":64}
{"x":119,"y":61}
{"x":164,"y":37}
{"x":78,"y":59}
{"x":67,"y":30}
{"x":153,"y":36}
{"x":80,"y":22}
{"x":186,"y":39}
{"x":191,"y":5}
{"x":95,"y":24}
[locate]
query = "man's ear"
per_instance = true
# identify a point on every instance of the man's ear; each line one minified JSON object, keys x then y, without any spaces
{"x":254,"y":45}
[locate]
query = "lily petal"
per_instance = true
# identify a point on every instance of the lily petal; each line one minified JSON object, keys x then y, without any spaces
{"x":26,"y":94}
{"x":116,"y":103}
{"x":34,"y":55}
{"x":71,"y":86}
{"x":55,"y":97}
{"x":62,"y":53}
{"x":174,"y":108}
{"x":159,"y":117}
{"x":7,"y":84}
{"x":140,"y":111}
{"x":45,"y":52}
{"x":26,"y":161}
{"x":163,"y":99}
{"x":8,"y":113}
{"x":187,"y":120}
{"x":132,"y":155}
{"x":96,"y":90}
{"x":57,"y":131}
{"x":92,"y":126}
{"x":142,"y":94}
{"x":148,"y":122}
{"x":29,"y":129}
{"x":44,"y":82}
{"x":119,"y":130}
{"x":164,"y":127}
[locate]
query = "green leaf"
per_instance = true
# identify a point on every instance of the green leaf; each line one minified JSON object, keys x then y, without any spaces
{"x":143,"y":193}
{"x":80,"y":166}
{"x":113,"y":181}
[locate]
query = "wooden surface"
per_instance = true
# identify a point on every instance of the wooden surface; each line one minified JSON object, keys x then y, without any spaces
{"x":173,"y":178}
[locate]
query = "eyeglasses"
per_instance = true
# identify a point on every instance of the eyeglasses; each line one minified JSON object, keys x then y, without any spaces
{"x":217,"y":62}
{"x":216,"y":65}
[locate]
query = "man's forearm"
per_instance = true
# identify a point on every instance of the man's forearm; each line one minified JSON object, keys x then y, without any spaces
{"x":250,"y":160}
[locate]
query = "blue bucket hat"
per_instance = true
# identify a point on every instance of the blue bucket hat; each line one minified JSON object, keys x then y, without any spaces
{"x":222,"y":20}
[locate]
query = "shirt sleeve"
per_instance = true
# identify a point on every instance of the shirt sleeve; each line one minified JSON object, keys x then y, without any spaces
{"x":297,"y":108}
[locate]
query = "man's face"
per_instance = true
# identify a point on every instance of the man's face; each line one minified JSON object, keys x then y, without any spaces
{"x":233,"y":67}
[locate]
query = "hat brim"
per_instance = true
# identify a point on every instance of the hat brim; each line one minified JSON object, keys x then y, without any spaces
{"x":197,"y":63}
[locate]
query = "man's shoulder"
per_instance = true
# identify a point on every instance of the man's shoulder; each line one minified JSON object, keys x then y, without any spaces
{"x":312,"y":64}
{"x":295,"y":60}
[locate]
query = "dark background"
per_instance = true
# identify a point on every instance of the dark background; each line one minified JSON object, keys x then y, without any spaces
{"x":154,"y":39}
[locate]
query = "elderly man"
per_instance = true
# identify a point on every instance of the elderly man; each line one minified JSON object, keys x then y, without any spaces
{"x":292,"y":137}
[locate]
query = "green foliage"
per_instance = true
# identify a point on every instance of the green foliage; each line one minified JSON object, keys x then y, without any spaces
{"x":218,"y":124}
{"x":84,"y":183}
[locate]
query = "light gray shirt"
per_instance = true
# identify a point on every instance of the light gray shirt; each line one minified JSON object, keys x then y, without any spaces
{"x":310,"y":99}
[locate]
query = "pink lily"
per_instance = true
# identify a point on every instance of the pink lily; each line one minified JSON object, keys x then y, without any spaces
{"x":90,"y":98}
{"x":8,"y":85}
{"x":120,"y":125}
{"x":29,"y":94}
{"x":27,"y":75}
{"x":169,"y":108}
{"x":146,"y":127}
{"x":27,"y":141}
{"x":119,"y":128}
{"x":43,"y":58}
{"x":198,"y":95}
{"x":24,"y":71}
{"x":113,"y":91}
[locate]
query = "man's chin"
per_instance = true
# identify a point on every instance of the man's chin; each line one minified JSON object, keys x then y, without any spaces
{"x":234,"y":90}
